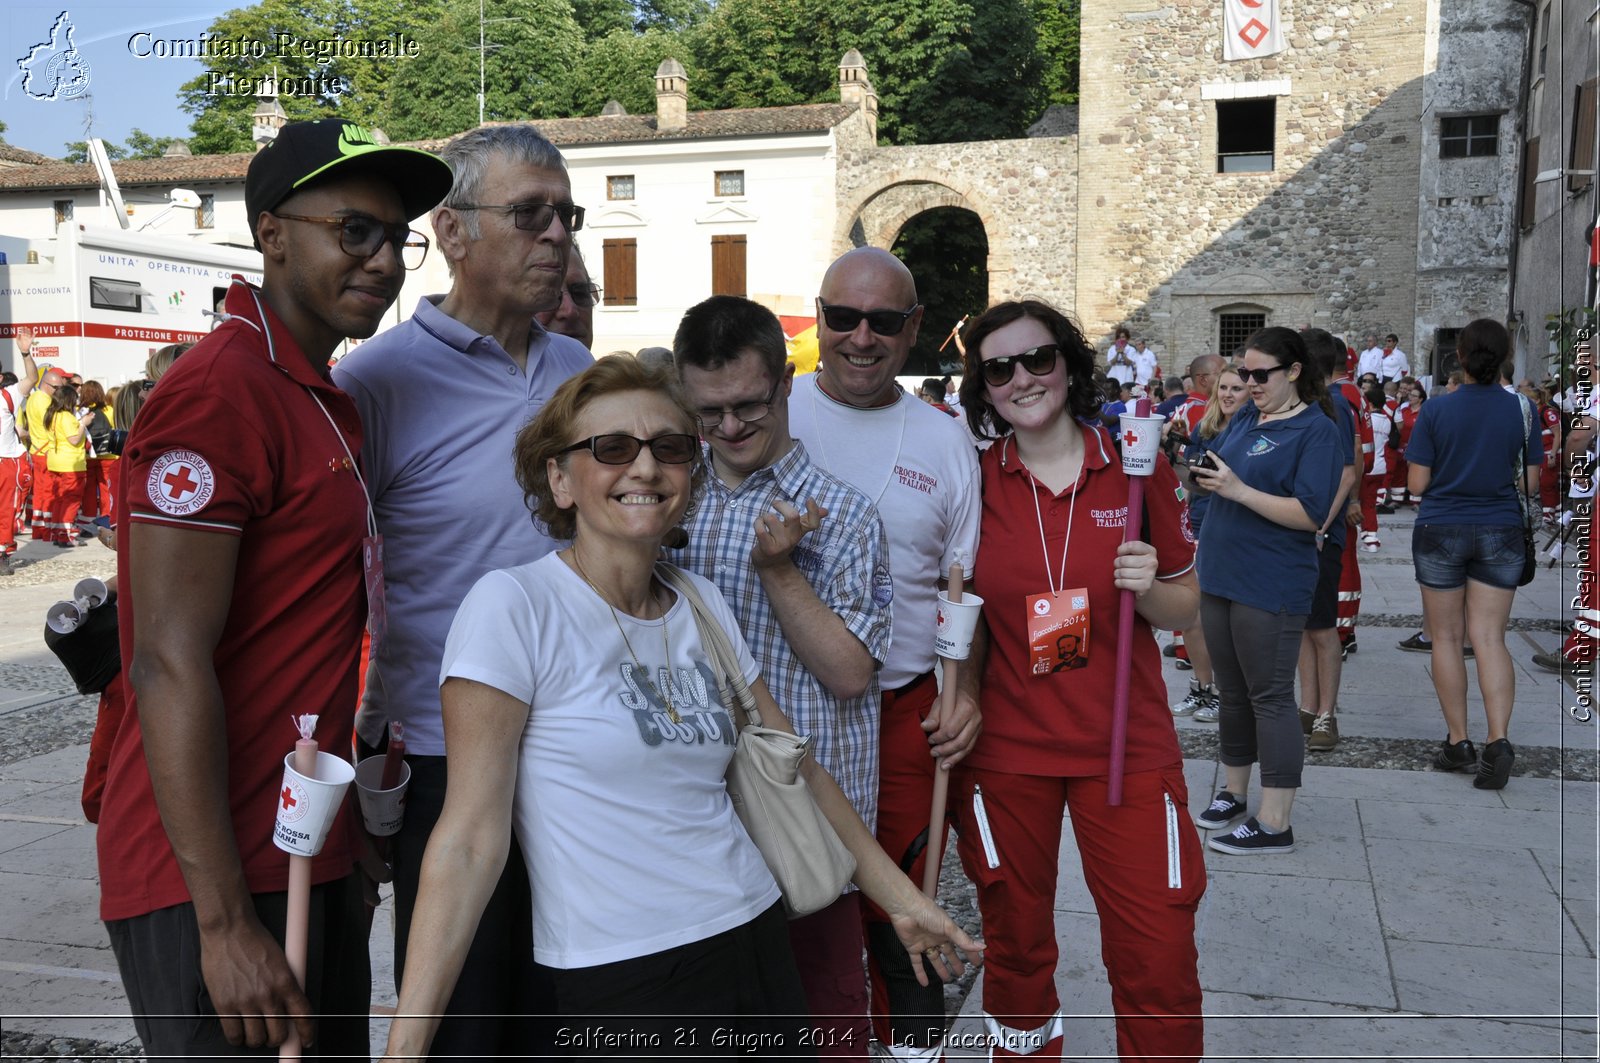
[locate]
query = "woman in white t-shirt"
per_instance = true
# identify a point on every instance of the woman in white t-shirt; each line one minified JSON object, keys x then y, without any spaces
{"x":579,"y":711}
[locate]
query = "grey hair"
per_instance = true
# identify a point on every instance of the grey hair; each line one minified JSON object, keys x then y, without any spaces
{"x":469,"y":154}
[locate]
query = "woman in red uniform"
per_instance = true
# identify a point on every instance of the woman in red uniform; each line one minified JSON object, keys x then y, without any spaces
{"x":1051,"y":563}
{"x":1412,"y":396}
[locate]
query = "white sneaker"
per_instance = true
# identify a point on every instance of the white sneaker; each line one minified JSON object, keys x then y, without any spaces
{"x":1369,"y":542}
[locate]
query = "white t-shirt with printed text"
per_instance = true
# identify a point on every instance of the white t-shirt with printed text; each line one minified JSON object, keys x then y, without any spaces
{"x":623,"y":816}
{"x":919,"y":467}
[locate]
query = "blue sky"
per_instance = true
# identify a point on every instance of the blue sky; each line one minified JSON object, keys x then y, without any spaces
{"x":124,"y":91}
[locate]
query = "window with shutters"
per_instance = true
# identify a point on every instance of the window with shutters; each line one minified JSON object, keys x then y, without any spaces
{"x":727,"y":265}
{"x":1582,"y":155}
{"x":1530,"y":188}
{"x":621,"y":265}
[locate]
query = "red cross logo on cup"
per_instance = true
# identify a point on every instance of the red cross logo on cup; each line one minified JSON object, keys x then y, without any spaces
{"x":1130,"y":438}
{"x":181,"y":482}
{"x":292,"y":803}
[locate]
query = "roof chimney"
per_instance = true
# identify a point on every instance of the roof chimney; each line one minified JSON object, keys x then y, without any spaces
{"x":178,"y":149}
{"x":672,"y":96}
{"x":856,"y":90}
{"x":269,"y":116}
{"x":612,"y":108}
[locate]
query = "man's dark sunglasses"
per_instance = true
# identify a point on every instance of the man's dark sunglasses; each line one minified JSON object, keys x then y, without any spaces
{"x":883,"y":322}
{"x":361,"y":236}
{"x":617,"y":448}
{"x":1260,"y":376}
{"x":997,"y":372}
{"x":532,"y":217}
{"x":586,"y":294}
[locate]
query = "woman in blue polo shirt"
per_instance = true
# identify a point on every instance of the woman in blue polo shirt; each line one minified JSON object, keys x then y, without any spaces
{"x":1471,"y":454}
{"x":1277,"y":468}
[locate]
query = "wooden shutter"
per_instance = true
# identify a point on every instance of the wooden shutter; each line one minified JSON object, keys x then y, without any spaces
{"x":621,"y":272}
{"x":1530,"y":170}
{"x":727,"y":265}
{"x":1583,"y":134}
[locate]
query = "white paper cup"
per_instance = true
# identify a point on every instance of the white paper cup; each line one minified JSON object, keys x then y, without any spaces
{"x":90,"y":593}
{"x":63,"y":617}
{"x":953,"y":628}
{"x":1141,"y":442}
{"x":381,"y":810}
{"x":307,"y":807}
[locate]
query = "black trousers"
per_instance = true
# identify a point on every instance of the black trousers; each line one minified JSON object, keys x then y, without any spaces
{"x":159,"y":957}
{"x":736,"y":993}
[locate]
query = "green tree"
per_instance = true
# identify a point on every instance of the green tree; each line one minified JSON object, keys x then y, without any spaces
{"x":222,"y":99}
{"x":599,"y":18}
{"x":622,"y":66}
{"x":78,"y":151}
{"x":671,"y":15}
{"x":1057,"y":22}
{"x":944,"y":70}
{"x":142,"y":145}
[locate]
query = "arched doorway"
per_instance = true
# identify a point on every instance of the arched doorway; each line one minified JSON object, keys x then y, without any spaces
{"x":947,"y":251}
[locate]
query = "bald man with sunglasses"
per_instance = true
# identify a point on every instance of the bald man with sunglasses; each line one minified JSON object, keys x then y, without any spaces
{"x":919,"y":468}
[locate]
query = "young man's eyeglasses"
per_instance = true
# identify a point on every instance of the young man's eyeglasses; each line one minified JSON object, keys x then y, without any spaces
{"x":585,"y":294}
{"x":749,"y":412}
{"x":883,"y":322}
{"x":997,"y":372}
{"x":617,"y":448}
{"x":1259,"y":376}
{"x":532,"y":217}
{"x":361,"y":237}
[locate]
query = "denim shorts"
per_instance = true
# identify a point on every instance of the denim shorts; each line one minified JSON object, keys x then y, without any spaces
{"x":1447,"y":555}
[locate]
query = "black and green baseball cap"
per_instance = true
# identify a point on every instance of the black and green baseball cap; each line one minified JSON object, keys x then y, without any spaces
{"x":304,"y":153}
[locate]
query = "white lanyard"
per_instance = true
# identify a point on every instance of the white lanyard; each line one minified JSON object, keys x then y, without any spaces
{"x":1050,"y":580}
{"x":355,"y":466}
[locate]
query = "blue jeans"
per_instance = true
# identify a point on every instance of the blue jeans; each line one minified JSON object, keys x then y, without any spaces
{"x":1447,"y":555}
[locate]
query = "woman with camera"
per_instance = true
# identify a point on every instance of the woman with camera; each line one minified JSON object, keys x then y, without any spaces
{"x":580,"y":706}
{"x":1277,"y":468}
{"x":1051,"y":569}
{"x":1474,"y":456}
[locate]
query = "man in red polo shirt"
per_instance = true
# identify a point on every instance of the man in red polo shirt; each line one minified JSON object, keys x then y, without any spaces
{"x":241,"y":606}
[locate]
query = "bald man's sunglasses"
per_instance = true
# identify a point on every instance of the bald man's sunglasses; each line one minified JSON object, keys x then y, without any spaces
{"x":848,"y":318}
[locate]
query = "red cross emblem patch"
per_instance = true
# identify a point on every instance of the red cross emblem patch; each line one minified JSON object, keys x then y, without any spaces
{"x":181,"y":482}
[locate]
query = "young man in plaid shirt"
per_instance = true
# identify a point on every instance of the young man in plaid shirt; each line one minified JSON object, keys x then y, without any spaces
{"x":802,"y":559}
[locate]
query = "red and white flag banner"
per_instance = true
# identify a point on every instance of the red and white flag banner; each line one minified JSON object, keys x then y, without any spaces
{"x":1250,"y":29}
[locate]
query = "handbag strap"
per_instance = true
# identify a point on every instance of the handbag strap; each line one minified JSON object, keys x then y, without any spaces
{"x":719,"y":649}
{"x":1521,"y":471}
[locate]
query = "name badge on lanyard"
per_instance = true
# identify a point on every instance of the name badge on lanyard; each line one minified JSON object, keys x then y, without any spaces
{"x":1058,"y":631}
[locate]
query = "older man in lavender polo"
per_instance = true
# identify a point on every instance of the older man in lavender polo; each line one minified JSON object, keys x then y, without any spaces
{"x":441,"y":398}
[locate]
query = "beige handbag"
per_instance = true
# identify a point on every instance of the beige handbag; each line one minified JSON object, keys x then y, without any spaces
{"x":802,"y":850}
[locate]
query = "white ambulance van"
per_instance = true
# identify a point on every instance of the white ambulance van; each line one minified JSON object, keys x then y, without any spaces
{"x":99,"y":300}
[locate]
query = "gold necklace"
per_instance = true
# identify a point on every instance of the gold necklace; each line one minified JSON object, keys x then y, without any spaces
{"x":672,"y":711}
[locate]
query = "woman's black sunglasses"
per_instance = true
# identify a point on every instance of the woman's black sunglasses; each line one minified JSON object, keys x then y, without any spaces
{"x":1259,"y":376}
{"x":617,"y":448}
{"x":997,"y":372}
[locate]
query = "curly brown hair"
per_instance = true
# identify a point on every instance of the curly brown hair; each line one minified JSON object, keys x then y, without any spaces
{"x":544,"y":438}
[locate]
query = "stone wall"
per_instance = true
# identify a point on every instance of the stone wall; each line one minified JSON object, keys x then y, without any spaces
{"x":1466,"y":207}
{"x":1024,"y":192}
{"x":1325,"y":238}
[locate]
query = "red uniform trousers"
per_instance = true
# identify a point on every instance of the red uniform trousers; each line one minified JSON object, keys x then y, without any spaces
{"x":11,"y":496}
{"x":905,"y":798}
{"x":40,"y":519}
{"x":1349,"y":604}
{"x":97,"y":489}
{"x":1370,"y":485}
{"x":1397,"y":478}
{"x":1143,"y":865}
{"x":827,"y":952}
{"x":1550,"y":489}
{"x":63,"y":494}
{"x":1582,"y":643}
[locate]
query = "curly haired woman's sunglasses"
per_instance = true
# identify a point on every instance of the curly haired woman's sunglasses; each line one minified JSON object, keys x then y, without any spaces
{"x":997,"y":372}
